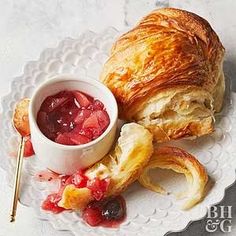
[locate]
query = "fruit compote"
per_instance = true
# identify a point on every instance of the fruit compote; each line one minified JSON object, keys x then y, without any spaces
{"x":72,"y":118}
{"x":107,"y":212}
{"x":28,"y":149}
{"x":98,"y":187}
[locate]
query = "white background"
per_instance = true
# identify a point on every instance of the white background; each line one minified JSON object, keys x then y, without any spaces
{"x":27,"y":27}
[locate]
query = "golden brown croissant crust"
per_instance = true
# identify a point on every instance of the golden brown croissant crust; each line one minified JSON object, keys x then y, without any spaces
{"x":169,"y":50}
{"x":179,"y":161}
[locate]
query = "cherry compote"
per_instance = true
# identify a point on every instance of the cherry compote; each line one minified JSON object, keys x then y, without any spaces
{"x":98,"y":187}
{"x":109,"y":212}
{"x":72,"y":118}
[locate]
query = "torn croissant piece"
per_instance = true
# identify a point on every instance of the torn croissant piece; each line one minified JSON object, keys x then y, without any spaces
{"x":179,"y":161}
{"x":75,"y":198}
{"x":167,"y":74}
{"x":122,"y":166}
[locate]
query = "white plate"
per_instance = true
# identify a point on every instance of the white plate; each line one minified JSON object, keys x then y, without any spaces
{"x":147,"y":212}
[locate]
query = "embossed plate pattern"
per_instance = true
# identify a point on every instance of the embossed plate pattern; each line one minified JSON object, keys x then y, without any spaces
{"x":147,"y":212}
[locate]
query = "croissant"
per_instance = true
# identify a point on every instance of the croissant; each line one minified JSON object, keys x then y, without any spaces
{"x":122,"y":166}
{"x":179,"y":161}
{"x":166,"y":74}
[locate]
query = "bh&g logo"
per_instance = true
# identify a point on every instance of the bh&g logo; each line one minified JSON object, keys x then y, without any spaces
{"x":219,"y":218}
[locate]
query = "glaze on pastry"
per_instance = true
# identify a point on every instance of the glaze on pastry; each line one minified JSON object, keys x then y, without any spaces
{"x":122,"y":166}
{"x":166,"y":74}
{"x":179,"y":161}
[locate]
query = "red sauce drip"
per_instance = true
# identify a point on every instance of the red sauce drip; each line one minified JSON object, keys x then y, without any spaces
{"x":72,"y":118}
{"x":47,"y":176}
{"x":28,"y":150}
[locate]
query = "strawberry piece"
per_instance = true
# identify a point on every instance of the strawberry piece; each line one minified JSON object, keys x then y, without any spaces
{"x":72,"y":138}
{"x":78,"y":138}
{"x":28,"y":150}
{"x":98,"y":187}
{"x":87,"y":132}
{"x":82,"y":115}
{"x":82,"y":99}
{"x":51,"y":203}
{"x":103,"y":119}
{"x":97,"y":105}
{"x":91,"y":122}
{"x":79,"y":180}
{"x":64,"y":139}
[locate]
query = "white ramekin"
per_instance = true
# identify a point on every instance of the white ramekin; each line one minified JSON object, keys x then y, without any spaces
{"x":65,"y":159}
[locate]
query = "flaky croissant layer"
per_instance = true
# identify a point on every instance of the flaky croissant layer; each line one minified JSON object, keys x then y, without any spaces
{"x":166,"y":74}
{"x":180,"y":161}
{"x":122,"y":166}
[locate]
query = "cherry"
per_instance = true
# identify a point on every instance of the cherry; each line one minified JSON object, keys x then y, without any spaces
{"x":109,"y":212}
{"x":113,"y":209}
